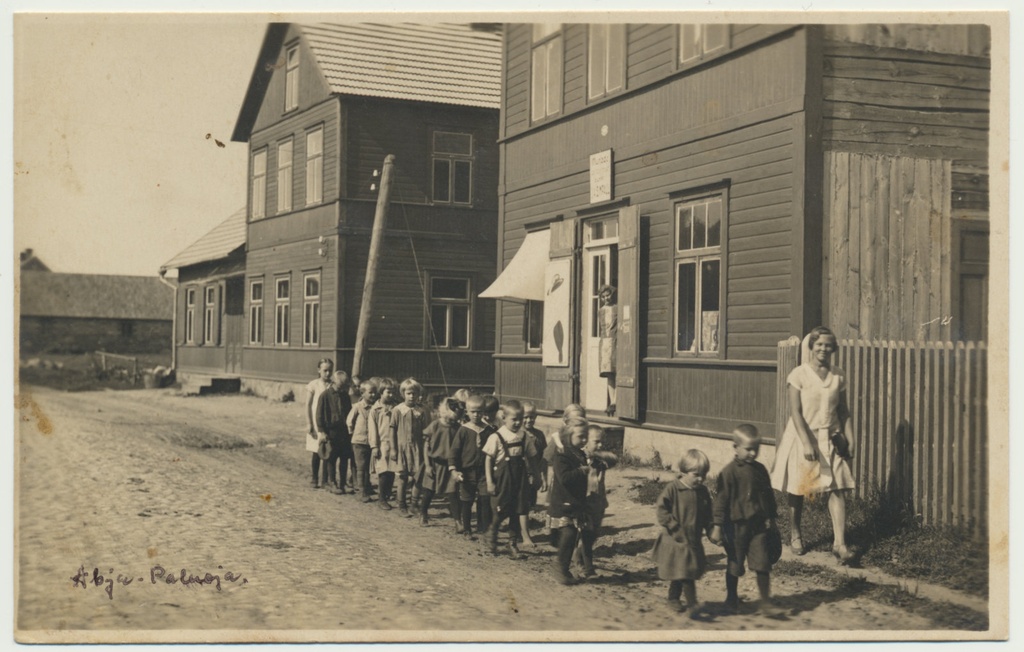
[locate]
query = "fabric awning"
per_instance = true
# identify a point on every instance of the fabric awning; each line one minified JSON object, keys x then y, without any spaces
{"x":523,"y":278}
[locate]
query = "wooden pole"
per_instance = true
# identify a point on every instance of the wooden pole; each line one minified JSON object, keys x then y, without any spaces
{"x":376,"y":238}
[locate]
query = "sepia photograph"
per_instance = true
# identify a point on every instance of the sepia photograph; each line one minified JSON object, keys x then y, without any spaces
{"x":657,"y":326}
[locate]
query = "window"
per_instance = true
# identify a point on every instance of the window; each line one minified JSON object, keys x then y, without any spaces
{"x":127,"y":328}
{"x":281,"y":312}
{"x":190,"y":315}
{"x":256,"y":312}
{"x":259,"y":185}
{"x":607,"y":60}
{"x":534,"y":325}
{"x":546,"y":80}
{"x":291,"y":79}
{"x":698,"y":275}
{"x":453,"y":167}
{"x":314,"y":166}
{"x":311,"y":310}
{"x":284,"y":176}
{"x":449,"y":312}
{"x":209,"y":314}
{"x":696,"y":41}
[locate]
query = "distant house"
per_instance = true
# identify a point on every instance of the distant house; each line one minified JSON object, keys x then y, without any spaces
{"x":31,"y":263}
{"x":325,"y":105}
{"x":77,"y":313}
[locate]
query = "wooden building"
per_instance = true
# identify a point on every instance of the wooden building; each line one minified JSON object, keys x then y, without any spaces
{"x":325,"y":105}
{"x":737,"y":184}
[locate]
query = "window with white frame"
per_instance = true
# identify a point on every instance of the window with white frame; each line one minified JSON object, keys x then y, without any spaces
{"x":534,"y":325}
{"x":315,"y":166}
{"x":696,"y":41}
{"x":190,"y":315}
{"x":449,"y":312}
{"x":209,"y":316}
{"x":258,"y":202}
{"x":284,"y":176}
{"x":453,"y":167}
{"x":700,"y":225}
{"x":546,"y":71}
{"x":281,"y":305}
{"x":291,"y":79}
{"x":311,"y":310}
{"x":606,"y":69}
{"x":256,"y":312}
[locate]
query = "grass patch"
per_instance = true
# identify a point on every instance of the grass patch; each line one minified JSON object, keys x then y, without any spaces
{"x":83,"y":372}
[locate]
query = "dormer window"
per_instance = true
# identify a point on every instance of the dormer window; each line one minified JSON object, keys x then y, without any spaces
{"x":291,"y":79}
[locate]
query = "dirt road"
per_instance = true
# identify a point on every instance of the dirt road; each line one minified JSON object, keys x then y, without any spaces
{"x":167,"y":496}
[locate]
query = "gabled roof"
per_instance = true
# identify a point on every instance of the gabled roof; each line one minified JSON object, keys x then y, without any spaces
{"x":446,"y":63}
{"x":218,"y":243}
{"x":100,"y":296}
{"x":31,"y":262}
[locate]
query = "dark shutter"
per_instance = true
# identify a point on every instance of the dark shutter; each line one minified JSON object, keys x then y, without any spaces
{"x":627,"y":362}
{"x":559,"y":388}
{"x":218,"y":309}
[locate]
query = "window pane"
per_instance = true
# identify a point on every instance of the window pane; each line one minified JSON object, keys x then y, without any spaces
{"x":710,"y":282}
{"x":446,"y":142}
{"x":439,"y":325}
{"x":442,"y":180}
{"x":284,"y":324}
{"x":538,"y":84}
{"x":715,"y":223}
{"x":689,"y":42}
{"x":540,"y":30}
{"x":259,"y":164}
{"x":685,"y":228}
{"x":257,"y":292}
{"x":597,"y":59}
{"x":460,"y":326}
{"x":461,"y":183}
{"x":616,"y":56}
{"x":449,"y":288}
{"x":700,"y":215}
{"x":535,"y":324}
{"x":686,"y":310}
{"x":312,"y":286}
{"x":715,"y":36}
{"x":282,"y":289}
{"x":554,"y":93}
{"x":314,"y":143}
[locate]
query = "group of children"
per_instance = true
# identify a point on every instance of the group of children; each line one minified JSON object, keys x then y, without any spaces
{"x":484,"y":454}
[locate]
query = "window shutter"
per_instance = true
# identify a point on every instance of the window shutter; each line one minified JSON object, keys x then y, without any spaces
{"x":627,"y":362}
{"x":559,"y":326}
{"x":218,"y":308}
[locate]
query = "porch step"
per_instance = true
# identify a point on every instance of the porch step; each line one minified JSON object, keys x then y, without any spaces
{"x":204,"y":385}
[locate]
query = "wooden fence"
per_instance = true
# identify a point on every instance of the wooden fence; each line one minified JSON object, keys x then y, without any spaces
{"x":920,"y":424}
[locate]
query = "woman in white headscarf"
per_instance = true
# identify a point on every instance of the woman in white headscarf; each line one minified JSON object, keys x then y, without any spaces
{"x":815,"y":448}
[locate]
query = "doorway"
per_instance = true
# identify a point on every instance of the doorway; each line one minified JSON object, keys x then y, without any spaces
{"x":600,"y":268}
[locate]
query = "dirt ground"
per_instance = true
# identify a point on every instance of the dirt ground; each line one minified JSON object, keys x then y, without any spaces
{"x":149,"y":488}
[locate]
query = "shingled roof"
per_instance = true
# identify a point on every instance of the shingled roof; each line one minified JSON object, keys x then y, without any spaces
{"x":97,"y":296}
{"x":445,"y":62}
{"x":218,"y":243}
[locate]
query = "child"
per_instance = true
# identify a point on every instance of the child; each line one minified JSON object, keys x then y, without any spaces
{"x":554,"y":446}
{"x":466,"y":462}
{"x":598,"y":461}
{"x":684,"y":513}
{"x":744,"y":512}
{"x":359,"y":425}
{"x":567,"y":502}
{"x":484,"y":505}
{"x":462,"y":396}
{"x":383,"y":440}
{"x":436,"y":478}
{"x":507,"y":474}
{"x":536,"y":442}
{"x":313,"y":438}
{"x":331,"y":411}
{"x":408,"y":420}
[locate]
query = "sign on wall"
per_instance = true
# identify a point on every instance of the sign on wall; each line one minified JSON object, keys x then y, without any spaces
{"x":601,"y":176}
{"x":555,"y":348}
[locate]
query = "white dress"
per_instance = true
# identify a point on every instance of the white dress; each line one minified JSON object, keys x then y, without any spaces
{"x":819,"y":402}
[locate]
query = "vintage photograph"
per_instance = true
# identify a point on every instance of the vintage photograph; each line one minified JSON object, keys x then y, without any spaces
{"x":510,"y":327}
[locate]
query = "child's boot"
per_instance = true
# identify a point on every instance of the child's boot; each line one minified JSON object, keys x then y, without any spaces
{"x":732,"y":596}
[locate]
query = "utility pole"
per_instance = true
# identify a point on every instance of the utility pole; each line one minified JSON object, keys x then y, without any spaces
{"x":376,"y":240}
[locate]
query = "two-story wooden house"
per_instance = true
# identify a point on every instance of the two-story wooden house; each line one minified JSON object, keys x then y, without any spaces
{"x":737,"y":184}
{"x":325,"y":105}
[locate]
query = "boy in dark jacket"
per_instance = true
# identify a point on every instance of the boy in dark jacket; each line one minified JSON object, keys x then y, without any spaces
{"x":466,"y":462}
{"x":331,"y":413}
{"x":744,"y":513}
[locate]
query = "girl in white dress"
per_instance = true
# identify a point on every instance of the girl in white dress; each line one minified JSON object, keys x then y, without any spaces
{"x":808,"y":459}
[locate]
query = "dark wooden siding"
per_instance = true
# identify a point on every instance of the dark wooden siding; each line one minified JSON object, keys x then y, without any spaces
{"x":307,"y":224}
{"x":908,"y":103}
{"x":521,"y":379}
{"x":296,"y":126}
{"x":651,"y":53}
{"x":312,"y":87}
{"x":574,"y":72}
{"x":376,"y":128}
{"x":516,"y":71}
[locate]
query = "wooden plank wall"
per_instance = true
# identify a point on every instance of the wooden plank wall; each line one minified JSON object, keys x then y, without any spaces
{"x":888,"y":246}
{"x":920,"y":428}
{"x":312,"y":87}
{"x":523,"y":380}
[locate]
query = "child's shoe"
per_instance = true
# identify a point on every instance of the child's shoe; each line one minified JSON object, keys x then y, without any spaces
{"x":424,"y":520}
{"x":383,"y":504}
{"x":675,"y":605}
{"x":513,"y":550}
{"x":732,"y":604}
{"x":459,"y":529}
{"x":403,"y":509}
{"x":564,"y":578}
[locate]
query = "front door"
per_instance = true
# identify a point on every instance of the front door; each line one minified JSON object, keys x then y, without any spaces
{"x":600,"y":268}
{"x":233,"y":325}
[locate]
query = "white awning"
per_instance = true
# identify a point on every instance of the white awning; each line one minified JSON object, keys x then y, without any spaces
{"x":523,"y":278}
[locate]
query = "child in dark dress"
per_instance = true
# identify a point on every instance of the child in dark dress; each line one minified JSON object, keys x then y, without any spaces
{"x":684,"y":513}
{"x":567,"y":501}
{"x":507,"y":475}
{"x":436,"y":478}
{"x":744,"y":514}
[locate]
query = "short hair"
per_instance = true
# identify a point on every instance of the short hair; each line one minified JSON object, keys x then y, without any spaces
{"x":325,"y":361}
{"x":411,"y":383}
{"x":694,"y":461}
{"x":341,"y":372}
{"x":462,"y":395}
{"x":449,"y":407}
{"x":572,"y":410}
{"x":367,"y":385}
{"x":565,"y":432}
{"x":512,"y":405}
{"x":387,"y":383}
{"x":491,"y":404}
{"x":746,"y":433}
{"x":529,"y":405}
{"x":475,"y":399}
{"x":816,"y":333}
{"x":593,"y":427}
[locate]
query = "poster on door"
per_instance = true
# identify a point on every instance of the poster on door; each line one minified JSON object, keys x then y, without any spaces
{"x":556,"y":349}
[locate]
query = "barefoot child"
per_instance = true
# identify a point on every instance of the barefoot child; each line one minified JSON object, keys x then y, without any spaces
{"x":314,"y":439}
{"x":436,"y":478}
{"x":383,"y":440}
{"x":466,"y":462}
{"x":744,"y":513}
{"x":359,"y":425}
{"x":408,"y":420}
{"x":684,"y":513}
{"x":536,"y":443}
{"x":506,"y":471}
